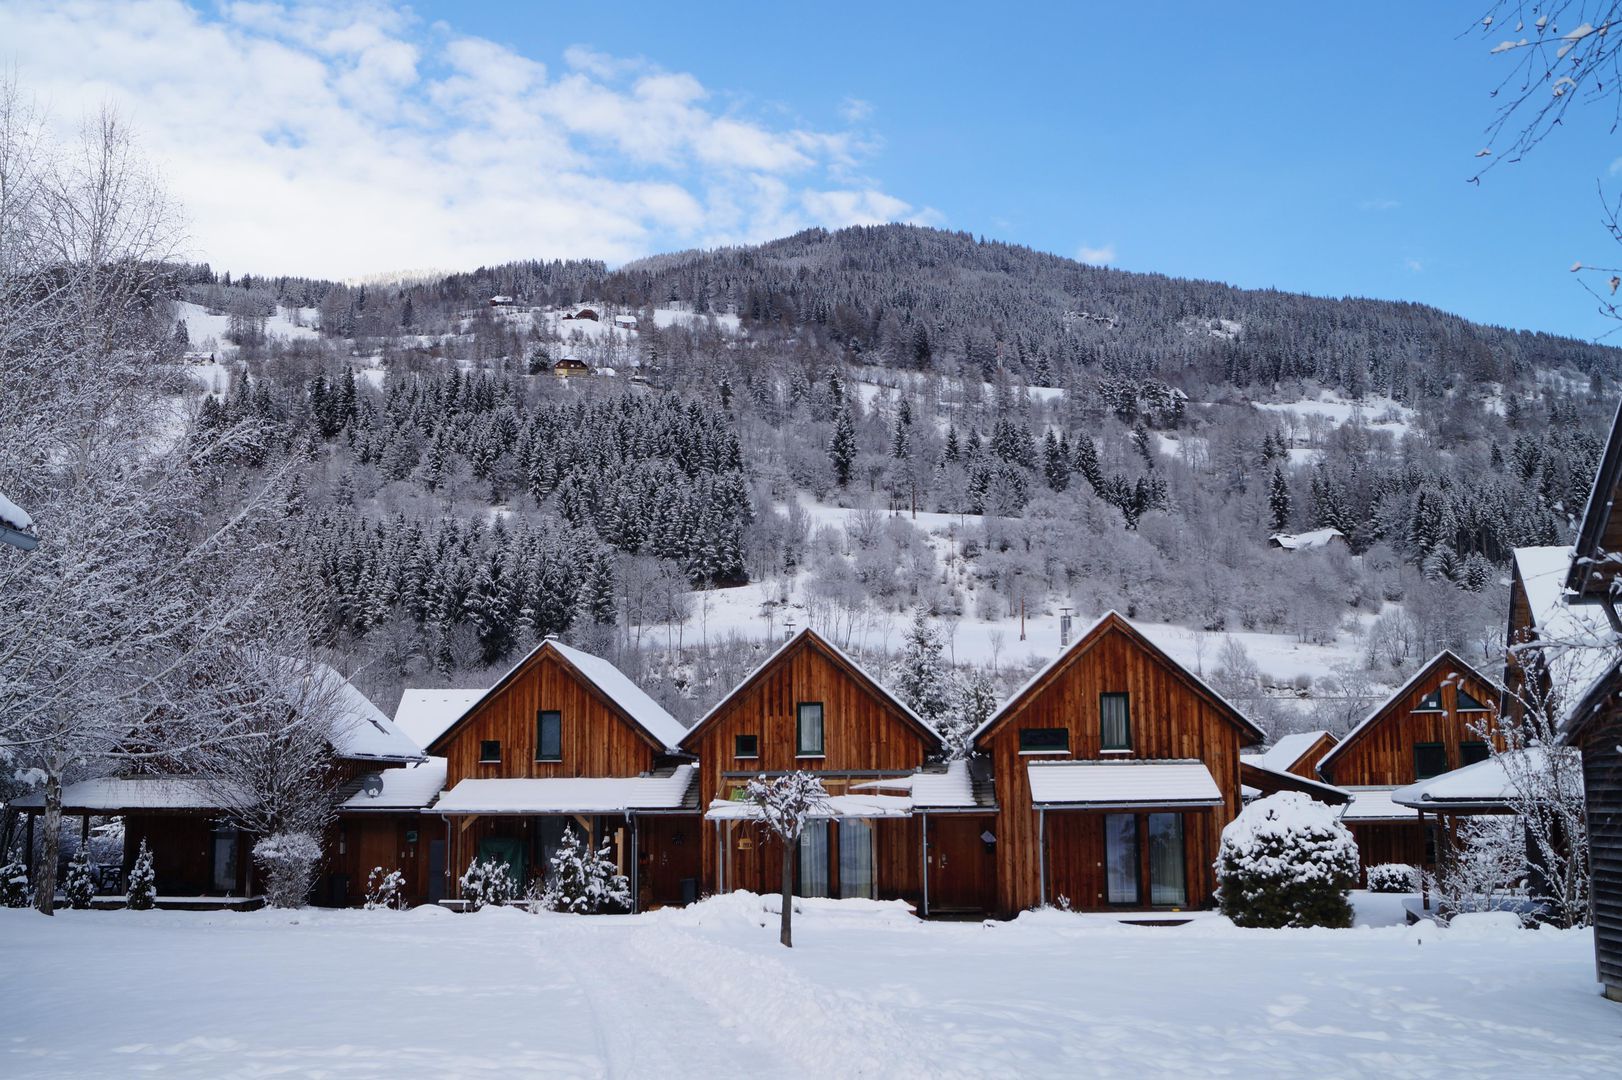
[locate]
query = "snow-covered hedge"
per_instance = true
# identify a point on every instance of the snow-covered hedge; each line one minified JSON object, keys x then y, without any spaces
{"x":79,"y":886}
{"x":1392,"y":877}
{"x":385,"y":890}
{"x":583,"y":881}
{"x":488,"y":882}
{"x":143,"y":882}
{"x":14,"y":884}
{"x":288,"y":861}
{"x":1287,"y":861}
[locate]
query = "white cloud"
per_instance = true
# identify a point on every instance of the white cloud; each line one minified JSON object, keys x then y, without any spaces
{"x":853,"y":110}
{"x":1378,"y":204}
{"x":1096,"y":256}
{"x":345,"y":139}
{"x":1414,"y":265}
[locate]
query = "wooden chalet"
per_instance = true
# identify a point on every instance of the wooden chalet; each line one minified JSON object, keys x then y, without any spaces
{"x":568,"y":367}
{"x":1116,"y":771}
{"x":810,"y":707}
{"x":1594,"y":726}
{"x":1426,"y":728}
{"x":1291,"y":764}
{"x":565,"y":741}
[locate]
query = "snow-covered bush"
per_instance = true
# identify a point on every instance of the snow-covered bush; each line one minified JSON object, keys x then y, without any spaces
{"x":1483,"y":868}
{"x":14,"y":884}
{"x":143,"y":885}
{"x":288,"y":861}
{"x":385,"y":890}
{"x":1286,"y":861}
{"x":1392,"y":877}
{"x":583,"y":881}
{"x":488,"y":881}
{"x":80,"y":885}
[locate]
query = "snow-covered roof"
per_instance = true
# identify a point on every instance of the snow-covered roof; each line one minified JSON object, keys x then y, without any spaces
{"x":836,"y":806}
{"x":1306,"y":541}
{"x":1579,"y":646}
{"x":666,"y":790}
{"x":1484,"y":784}
{"x":424,"y":715}
{"x":1379,"y":709}
{"x":1100,"y":784}
{"x":1081,"y":640}
{"x":1374,"y":804}
{"x":115,"y":794}
{"x":411,"y":787}
{"x":806,"y":633}
{"x":932,"y":789}
{"x":13,"y":515}
{"x":1286,"y":752}
{"x":631,"y":699}
{"x":1285,"y":780}
{"x":360,"y":729}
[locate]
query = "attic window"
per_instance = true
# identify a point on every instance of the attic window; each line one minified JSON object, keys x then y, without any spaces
{"x":746,"y":746}
{"x":548,"y":735}
{"x":1044,"y":740}
{"x":1468,"y":703}
{"x":1430,"y":759}
{"x":1431,"y":702}
{"x":490,"y":752}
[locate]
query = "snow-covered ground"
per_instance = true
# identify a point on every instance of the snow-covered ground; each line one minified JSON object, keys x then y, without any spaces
{"x":707,"y":992}
{"x":1381,"y":413}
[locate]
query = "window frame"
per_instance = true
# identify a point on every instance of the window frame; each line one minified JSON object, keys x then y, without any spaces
{"x":1479,"y":747}
{"x":540,"y":719}
{"x":484,"y":751}
{"x":1439,"y":707}
{"x":1461,"y":695}
{"x":754,"y":753}
{"x":800,"y":750}
{"x":1126,"y":700}
{"x":1037,"y":750}
{"x":1441,"y":748}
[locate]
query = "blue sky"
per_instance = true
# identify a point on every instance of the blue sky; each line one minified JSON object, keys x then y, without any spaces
{"x":1306,"y":148}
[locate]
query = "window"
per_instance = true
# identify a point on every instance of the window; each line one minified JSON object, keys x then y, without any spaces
{"x":548,"y":735}
{"x":813,"y":860}
{"x":1121,"y":858}
{"x":856,"y":859}
{"x":1472,"y":752}
{"x":1044,"y":740}
{"x":1114,"y":722}
{"x":808,"y":729}
{"x":1468,"y":703}
{"x":1430,"y":759}
{"x":489,"y":751}
{"x":1431,"y":702}
{"x":1166,"y":884}
{"x":746,"y":746}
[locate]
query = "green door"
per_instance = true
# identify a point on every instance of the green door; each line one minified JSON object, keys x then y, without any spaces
{"x":509,"y":850}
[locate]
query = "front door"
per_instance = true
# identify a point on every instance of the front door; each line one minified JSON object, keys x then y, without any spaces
{"x":1143,"y":853}
{"x":436,"y":870}
{"x":960,"y":864}
{"x":223,"y":859}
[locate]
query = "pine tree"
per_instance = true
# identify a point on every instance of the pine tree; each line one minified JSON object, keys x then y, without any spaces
{"x":1278,"y":501}
{"x":921,"y":682}
{"x":79,"y":886}
{"x":842,"y":449}
{"x":14,"y":891}
{"x":583,"y":881}
{"x":143,"y":882}
{"x":1055,"y":463}
{"x":1087,"y":463}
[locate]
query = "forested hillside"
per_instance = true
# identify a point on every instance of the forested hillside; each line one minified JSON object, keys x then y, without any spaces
{"x":849,"y":428}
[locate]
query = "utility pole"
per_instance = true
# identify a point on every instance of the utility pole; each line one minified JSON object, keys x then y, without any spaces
{"x":1064,"y":627}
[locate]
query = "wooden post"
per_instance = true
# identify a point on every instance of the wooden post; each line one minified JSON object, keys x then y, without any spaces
{"x":84,"y":833}
{"x":1042,"y":855}
{"x":28,"y":846}
{"x":636,"y":866}
{"x":924,"y":844}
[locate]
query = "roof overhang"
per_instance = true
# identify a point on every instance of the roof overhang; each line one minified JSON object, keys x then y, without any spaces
{"x":1122,"y":785}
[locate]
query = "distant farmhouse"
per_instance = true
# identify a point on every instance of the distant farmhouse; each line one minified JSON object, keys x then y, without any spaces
{"x":569,"y":367}
{"x":1308,"y":541}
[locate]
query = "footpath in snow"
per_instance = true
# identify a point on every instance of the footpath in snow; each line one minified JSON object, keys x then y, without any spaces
{"x":707,"y":992}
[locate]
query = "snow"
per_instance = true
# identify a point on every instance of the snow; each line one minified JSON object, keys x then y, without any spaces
{"x":1307,"y":541}
{"x":647,"y":713}
{"x":1582,"y":646}
{"x":1284,"y":753}
{"x":706,"y":991}
{"x":834,"y":806}
{"x":115,"y":794}
{"x":569,"y":794}
{"x":1099,"y":784}
{"x":1485,"y":783}
{"x":207,"y":332}
{"x":1289,"y":832}
{"x":1374,"y":804}
{"x":931,"y":789}
{"x":425,"y":715}
{"x":14,"y":516}
{"x":1382,"y":413}
{"x":361,"y":729}
{"x":411,"y":787}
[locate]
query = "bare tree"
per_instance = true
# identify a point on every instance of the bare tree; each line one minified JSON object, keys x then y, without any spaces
{"x":786,"y":804}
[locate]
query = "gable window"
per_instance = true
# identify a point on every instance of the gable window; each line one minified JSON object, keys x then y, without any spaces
{"x":1044,"y":740}
{"x":808,"y":729}
{"x":1114,"y":722}
{"x":489,"y":751}
{"x":1468,"y":702}
{"x":746,"y":746}
{"x":1430,"y":759}
{"x":1472,"y":752}
{"x":1431,"y":702}
{"x":548,"y":735}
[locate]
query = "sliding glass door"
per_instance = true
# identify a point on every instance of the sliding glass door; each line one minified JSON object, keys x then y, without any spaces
{"x":856,"y":858}
{"x":1121,"y":858}
{"x":813,"y":860}
{"x":1167,"y":887}
{"x":1142,"y":848}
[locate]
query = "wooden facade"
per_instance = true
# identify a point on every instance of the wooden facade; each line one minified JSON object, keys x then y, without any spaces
{"x":1595,"y":728}
{"x":866,"y":734}
{"x":498,"y":739}
{"x":1172,"y":717}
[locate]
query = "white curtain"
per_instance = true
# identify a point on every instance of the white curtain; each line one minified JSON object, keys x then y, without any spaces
{"x":814,"y":860}
{"x":856,"y":858}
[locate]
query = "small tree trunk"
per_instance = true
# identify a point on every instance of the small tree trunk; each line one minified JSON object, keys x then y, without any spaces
{"x":787,"y":934}
{"x":45,"y":872}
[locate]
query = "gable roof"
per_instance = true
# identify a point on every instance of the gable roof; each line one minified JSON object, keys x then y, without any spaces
{"x":1114,"y":620}
{"x":809,"y":638}
{"x":424,"y":715}
{"x":1598,"y":511}
{"x":1288,"y":750}
{"x":361,"y":730}
{"x":1380,"y":710}
{"x":627,"y":698}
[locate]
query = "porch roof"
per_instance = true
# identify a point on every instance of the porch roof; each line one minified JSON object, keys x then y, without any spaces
{"x":1102,"y":785}
{"x":411,"y":787}
{"x":665,"y":789}
{"x":1487,"y":785}
{"x":132,"y":794}
{"x":1374,"y":804}
{"x":837,"y":806}
{"x":944,"y":787}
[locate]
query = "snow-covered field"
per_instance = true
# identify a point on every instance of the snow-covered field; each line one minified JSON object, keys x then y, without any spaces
{"x":708,"y":992}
